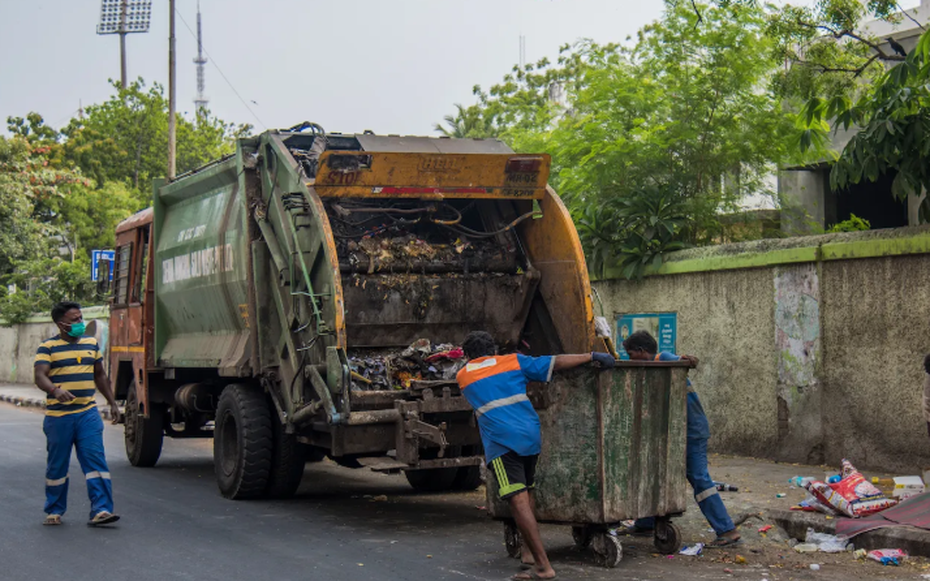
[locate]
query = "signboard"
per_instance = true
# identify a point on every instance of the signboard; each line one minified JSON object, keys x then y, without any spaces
{"x":96,"y":256}
{"x":662,"y":326}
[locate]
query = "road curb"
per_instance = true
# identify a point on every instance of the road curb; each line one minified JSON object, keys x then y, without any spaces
{"x":911,"y":539}
{"x":35,"y":402}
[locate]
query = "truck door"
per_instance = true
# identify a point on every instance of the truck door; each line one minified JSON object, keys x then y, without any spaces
{"x":127,"y":320}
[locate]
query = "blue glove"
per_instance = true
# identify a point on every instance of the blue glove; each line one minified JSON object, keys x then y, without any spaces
{"x":606,"y":360}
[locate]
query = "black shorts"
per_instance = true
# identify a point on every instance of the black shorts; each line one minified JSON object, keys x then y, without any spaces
{"x":514,"y":473}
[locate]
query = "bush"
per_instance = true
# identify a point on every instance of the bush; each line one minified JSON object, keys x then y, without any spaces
{"x":854,"y":224}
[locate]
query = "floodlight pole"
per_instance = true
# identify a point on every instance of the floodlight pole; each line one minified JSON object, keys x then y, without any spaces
{"x":171,"y":95}
{"x":122,"y":43}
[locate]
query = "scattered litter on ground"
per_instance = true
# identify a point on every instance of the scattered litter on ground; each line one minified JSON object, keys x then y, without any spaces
{"x":806,"y":548}
{"x":692,"y":550}
{"x":860,"y":553}
{"x":888,"y":556}
{"x":815,"y":567}
{"x":740,"y":560}
{"x":379,"y":498}
{"x":852,"y":495}
{"x":765,"y":529}
{"x":799,"y":481}
{"x":825,"y":542}
{"x":780,"y":495}
{"x":725,"y":487}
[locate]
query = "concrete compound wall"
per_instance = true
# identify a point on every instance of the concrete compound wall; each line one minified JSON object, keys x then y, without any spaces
{"x":811,"y":348}
{"x":18,"y":343}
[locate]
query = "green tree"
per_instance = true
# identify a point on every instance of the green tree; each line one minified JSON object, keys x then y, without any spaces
{"x":893,"y":118}
{"x":125,"y":139}
{"x":28,"y":182}
{"x":678,"y":127}
{"x":42,"y":282}
{"x":467,"y":122}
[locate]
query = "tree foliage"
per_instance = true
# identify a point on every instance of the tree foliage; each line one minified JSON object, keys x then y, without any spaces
{"x":677,"y":127}
{"x":41,"y":283}
{"x":64,"y":191}
{"x":893,"y":118}
{"x":125,"y":139}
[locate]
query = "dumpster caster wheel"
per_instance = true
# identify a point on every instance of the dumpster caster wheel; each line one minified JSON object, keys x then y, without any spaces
{"x":608,"y":551}
{"x":581,"y":536}
{"x":668,"y":538}
{"x":513,"y":540}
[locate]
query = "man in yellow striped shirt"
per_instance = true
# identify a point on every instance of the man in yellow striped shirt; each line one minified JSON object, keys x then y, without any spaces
{"x":69,"y":369}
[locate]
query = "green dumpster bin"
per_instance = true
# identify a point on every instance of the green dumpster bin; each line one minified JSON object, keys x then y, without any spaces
{"x":613,"y":448}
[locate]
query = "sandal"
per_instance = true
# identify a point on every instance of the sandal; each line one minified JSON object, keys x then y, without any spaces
{"x":103,"y":518}
{"x":723,"y":542}
{"x":52,"y":520}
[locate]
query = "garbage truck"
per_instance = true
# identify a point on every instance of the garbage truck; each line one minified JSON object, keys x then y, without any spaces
{"x":303,"y":297}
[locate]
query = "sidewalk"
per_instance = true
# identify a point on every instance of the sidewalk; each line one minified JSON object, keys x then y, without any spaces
{"x":31,"y":396}
{"x":757,"y":504}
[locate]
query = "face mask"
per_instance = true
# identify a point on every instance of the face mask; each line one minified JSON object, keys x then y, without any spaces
{"x":77,"y":329}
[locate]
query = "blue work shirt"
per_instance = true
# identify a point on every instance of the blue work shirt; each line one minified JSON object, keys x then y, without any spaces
{"x":698,"y":426}
{"x":495,"y":387}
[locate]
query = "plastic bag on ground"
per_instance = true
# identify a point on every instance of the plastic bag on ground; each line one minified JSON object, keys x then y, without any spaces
{"x":888,"y":556}
{"x":825,"y":542}
{"x":852,"y":496}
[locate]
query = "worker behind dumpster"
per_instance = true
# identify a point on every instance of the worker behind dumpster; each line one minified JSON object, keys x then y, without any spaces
{"x":641,"y":346}
{"x":69,"y":369}
{"x":495,"y":386}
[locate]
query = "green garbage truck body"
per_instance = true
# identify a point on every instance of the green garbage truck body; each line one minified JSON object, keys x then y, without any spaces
{"x":303,"y":298}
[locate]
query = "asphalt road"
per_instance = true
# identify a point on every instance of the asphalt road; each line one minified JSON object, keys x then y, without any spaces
{"x":176,"y":526}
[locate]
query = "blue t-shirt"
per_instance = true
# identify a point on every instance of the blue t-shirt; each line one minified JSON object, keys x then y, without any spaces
{"x":698,"y":426}
{"x":495,"y":387}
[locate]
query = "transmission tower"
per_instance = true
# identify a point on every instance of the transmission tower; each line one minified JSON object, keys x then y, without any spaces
{"x":200,"y":102}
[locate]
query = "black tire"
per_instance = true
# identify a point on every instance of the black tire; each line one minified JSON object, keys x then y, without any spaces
{"x":608,"y":551}
{"x":143,"y":436}
{"x":467,"y":478}
{"x":288,"y":459}
{"x":667,"y":537}
{"x":243,"y":442}
{"x":435,"y":480}
{"x":513,"y":540}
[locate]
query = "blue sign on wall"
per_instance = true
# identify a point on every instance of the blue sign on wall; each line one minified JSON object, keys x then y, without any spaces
{"x":96,"y":256}
{"x":662,"y":326}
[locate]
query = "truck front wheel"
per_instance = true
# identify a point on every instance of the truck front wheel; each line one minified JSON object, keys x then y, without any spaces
{"x":143,"y":437}
{"x":242,"y":442}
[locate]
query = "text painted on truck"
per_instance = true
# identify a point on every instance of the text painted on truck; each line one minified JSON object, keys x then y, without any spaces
{"x":198,"y":263}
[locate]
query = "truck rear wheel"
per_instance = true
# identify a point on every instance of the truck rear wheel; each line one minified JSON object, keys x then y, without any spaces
{"x":434,"y":480}
{"x":287,"y":463}
{"x":242,"y":442}
{"x":143,"y":436}
{"x":468,"y":478}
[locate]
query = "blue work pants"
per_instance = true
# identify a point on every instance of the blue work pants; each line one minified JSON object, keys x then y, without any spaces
{"x":83,"y":432}
{"x":705,"y":492}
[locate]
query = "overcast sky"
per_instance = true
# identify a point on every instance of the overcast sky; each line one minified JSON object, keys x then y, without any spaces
{"x":392,"y":66}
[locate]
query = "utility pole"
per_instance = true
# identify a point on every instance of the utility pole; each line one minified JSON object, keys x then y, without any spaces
{"x":122,"y":43}
{"x":171,"y":95}
{"x":123,"y":17}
